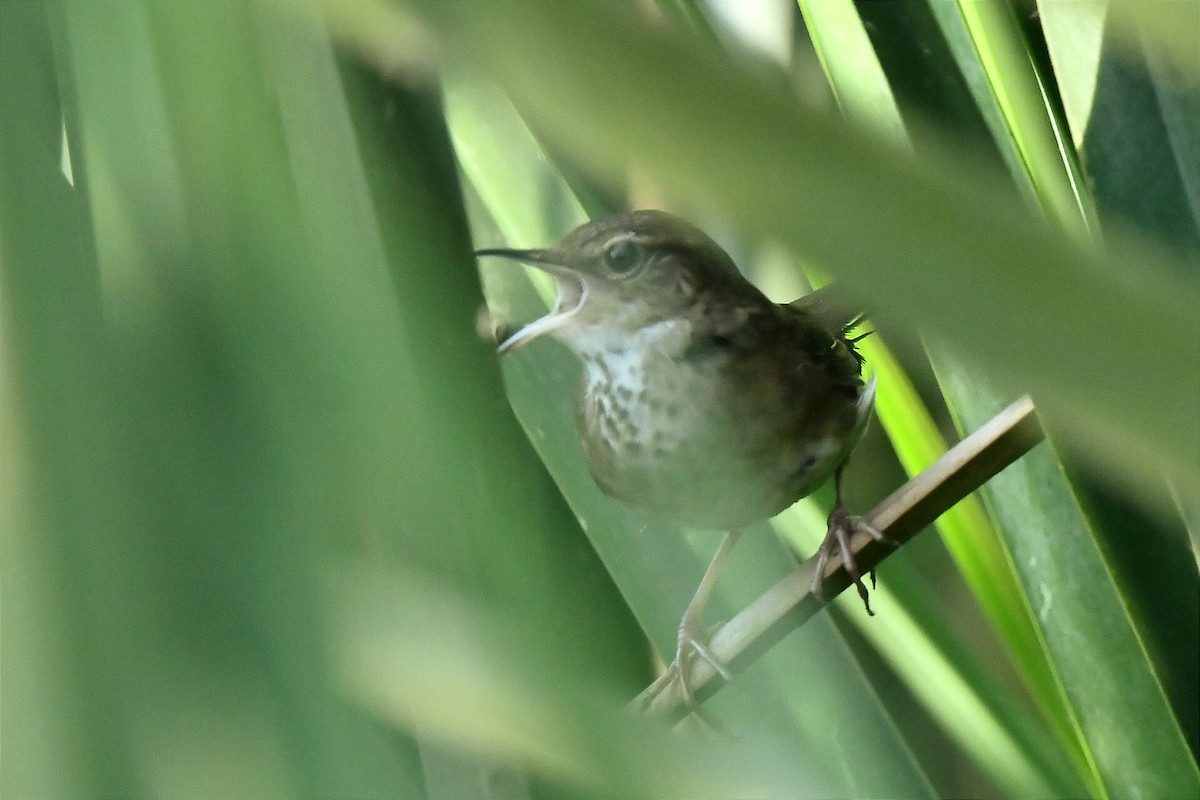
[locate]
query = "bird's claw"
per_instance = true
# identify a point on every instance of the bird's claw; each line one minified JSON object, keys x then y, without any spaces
{"x":842,"y":527}
{"x":690,"y":645}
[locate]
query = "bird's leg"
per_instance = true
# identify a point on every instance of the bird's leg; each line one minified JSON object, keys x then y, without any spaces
{"x":842,"y":526}
{"x":691,"y":639}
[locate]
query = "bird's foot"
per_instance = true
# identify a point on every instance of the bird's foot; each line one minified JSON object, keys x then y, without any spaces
{"x":843,"y":526}
{"x":691,"y":644}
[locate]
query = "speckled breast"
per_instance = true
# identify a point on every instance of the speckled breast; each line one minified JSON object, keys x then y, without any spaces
{"x":689,"y":442}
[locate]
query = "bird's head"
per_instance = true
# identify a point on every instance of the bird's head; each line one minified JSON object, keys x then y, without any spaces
{"x":623,"y":274}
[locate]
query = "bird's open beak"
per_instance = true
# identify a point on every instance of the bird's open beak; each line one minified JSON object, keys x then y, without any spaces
{"x":572,"y":291}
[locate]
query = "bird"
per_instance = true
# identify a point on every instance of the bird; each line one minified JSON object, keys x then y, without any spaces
{"x":701,"y":401}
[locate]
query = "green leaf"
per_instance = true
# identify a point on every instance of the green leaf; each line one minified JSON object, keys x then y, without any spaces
{"x":1024,"y":110}
{"x":979,"y":553}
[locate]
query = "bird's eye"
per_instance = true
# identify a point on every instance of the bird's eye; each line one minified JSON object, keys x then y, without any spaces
{"x":623,"y":256}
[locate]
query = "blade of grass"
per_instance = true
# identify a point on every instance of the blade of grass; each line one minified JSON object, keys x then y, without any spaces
{"x":864,"y":95}
{"x":60,"y":726}
{"x":1024,"y":108}
{"x":1137,"y":104}
{"x":988,"y":42}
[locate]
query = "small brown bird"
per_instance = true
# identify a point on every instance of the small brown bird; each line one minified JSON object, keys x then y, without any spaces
{"x":702,"y":402}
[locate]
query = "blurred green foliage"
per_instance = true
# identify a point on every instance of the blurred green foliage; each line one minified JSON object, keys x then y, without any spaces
{"x":270,"y":527}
